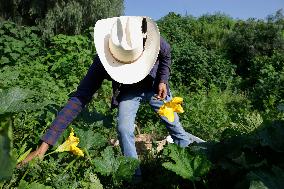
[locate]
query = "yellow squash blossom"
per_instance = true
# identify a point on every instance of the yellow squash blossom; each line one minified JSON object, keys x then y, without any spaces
{"x":170,"y":107}
{"x":71,"y":145}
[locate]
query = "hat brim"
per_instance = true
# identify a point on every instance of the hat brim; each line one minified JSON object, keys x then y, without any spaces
{"x":126,"y":73}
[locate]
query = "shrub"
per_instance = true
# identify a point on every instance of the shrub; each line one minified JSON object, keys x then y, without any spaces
{"x":192,"y":64}
{"x":208,"y":114}
{"x":268,"y":76}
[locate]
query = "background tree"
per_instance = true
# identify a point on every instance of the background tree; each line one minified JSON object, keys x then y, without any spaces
{"x":60,"y":16}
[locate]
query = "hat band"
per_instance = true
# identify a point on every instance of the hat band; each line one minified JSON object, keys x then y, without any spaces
{"x":125,"y":62}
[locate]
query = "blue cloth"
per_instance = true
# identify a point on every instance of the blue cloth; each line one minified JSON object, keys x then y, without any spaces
{"x":127,"y":110}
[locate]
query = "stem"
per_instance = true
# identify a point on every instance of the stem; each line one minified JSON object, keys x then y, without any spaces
{"x":50,"y":153}
{"x":204,"y":183}
{"x":71,"y":163}
{"x":2,"y":184}
{"x":88,"y":155}
{"x":138,"y":129}
{"x":193,"y":184}
{"x":25,"y":174}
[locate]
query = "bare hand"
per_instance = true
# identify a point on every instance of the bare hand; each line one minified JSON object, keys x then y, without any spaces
{"x":162,"y":91}
{"x":37,"y":153}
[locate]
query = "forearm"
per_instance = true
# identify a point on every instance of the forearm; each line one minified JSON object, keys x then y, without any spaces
{"x":70,"y":111}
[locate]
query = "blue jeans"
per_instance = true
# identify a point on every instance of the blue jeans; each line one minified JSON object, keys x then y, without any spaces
{"x":127,"y":109}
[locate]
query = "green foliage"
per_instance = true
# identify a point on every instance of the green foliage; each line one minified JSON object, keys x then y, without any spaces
{"x":94,"y":182}
{"x":204,"y":61}
{"x":196,"y":67}
{"x":211,"y":30}
{"x":7,"y":158}
{"x":34,"y":185}
{"x":208,"y":113}
{"x":273,"y":178}
{"x":244,"y":160}
{"x":11,"y":101}
{"x":119,"y":168}
{"x":18,"y":44}
{"x":60,"y":16}
{"x":268,"y":75}
{"x":184,"y":164}
{"x":48,"y":74}
{"x":208,"y":31}
{"x":250,"y":39}
{"x":64,"y":17}
{"x":90,"y":140}
{"x":196,"y":60}
{"x":23,"y":156}
{"x":68,"y":58}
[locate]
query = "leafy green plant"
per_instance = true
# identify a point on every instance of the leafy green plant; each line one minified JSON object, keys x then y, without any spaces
{"x":54,"y":17}
{"x":119,"y":168}
{"x":7,"y":158}
{"x":217,"y":106}
{"x":210,"y":112}
{"x":34,"y":185}
{"x":268,"y":74}
{"x":249,"y":160}
{"x":18,"y":44}
{"x":192,"y":64}
{"x":250,"y":39}
{"x":11,"y":102}
{"x":273,"y":178}
{"x":184,"y":164}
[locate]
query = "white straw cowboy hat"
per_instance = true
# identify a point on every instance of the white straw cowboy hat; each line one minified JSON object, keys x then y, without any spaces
{"x":119,"y":44}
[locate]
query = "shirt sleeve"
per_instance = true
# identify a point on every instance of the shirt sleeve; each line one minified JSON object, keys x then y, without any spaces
{"x":91,"y":82}
{"x":87,"y":87}
{"x":70,"y":111}
{"x":163,"y":72}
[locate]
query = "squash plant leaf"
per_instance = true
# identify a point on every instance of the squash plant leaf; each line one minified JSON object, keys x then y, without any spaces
{"x":266,"y":179}
{"x":107,"y":163}
{"x":126,"y":168}
{"x":9,"y":99}
{"x":90,"y":140}
{"x":7,"y":159}
{"x":119,"y":168}
{"x":12,"y":101}
{"x":184,"y":164}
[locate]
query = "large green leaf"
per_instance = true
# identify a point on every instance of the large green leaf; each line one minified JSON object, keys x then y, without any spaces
{"x":185,"y":165}
{"x":90,"y":139}
{"x":273,"y":136}
{"x":257,"y":185}
{"x":107,"y":163}
{"x":12,"y":101}
{"x":120,"y":168}
{"x":9,"y":99}
{"x":7,"y":160}
{"x":126,"y":168}
{"x":267,"y":179}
